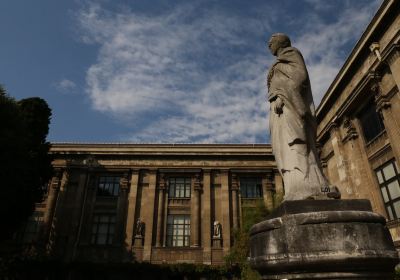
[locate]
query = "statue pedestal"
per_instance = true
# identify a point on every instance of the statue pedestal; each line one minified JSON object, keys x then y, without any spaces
{"x":137,"y":248}
{"x":216,"y":242}
{"x":138,"y":241}
{"x":323,"y":239}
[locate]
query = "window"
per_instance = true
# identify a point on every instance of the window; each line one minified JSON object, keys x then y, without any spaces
{"x":178,"y":230}
{"x":108,"y":186}
{"x":371,"y":121}
{"x":32,"y":227}
{"x":179,"y":187}
{"x":103,"y":229}
{"x":389,"y":183}
{"x":251,"y":187}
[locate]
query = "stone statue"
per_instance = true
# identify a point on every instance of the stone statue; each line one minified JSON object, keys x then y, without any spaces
{"x":293,"y":124}
{"x":217,"y":229}
{"x":139,"y":227}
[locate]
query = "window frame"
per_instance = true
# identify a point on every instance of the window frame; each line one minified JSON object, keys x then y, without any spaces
{"x":112,"y":187}
{"x":174,"y":192}
{"x":389,"y":204}
{"x":173,"y":227}
{"x":34,"y":222}
{"x":371,"y":127}
{"x":110,"y":225}
{"x":244,"y":188}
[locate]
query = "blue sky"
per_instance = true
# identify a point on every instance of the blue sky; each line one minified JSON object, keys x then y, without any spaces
{"x":167,"y":71}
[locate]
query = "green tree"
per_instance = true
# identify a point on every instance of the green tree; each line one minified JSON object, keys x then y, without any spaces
{"x":240,"y":249}
{"x":24,"y":160}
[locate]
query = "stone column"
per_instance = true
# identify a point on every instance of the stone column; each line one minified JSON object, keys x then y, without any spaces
{"x":148,"y":214}
{"x":268,"y":188}
{"x":393,"y":61}
{"x":195,"y":231}
{"x":225,"y":221}
{"x":206,"y":217}
{"x":160,"y":222}
{"x":390,"y":118}
{"x":234,"y":195}
{"x":166,"y":184}
{"x":130,"y":217}
{"x":54,"y":187}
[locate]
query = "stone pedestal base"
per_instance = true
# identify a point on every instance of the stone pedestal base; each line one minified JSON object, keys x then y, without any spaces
{"x":138,"y":241}
{"x":323,"y":239}
{"x":217,"y":242}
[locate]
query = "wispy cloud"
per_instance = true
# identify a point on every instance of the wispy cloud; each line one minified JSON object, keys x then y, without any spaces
{"x":192,"y":76}
{"x":324,"y":42}
{"x":65,"y":86}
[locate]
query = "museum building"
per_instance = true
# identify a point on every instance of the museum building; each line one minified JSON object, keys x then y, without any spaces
{"x":168,"y":203}
{"x":151,"y":202}
{"x":359,"y":119}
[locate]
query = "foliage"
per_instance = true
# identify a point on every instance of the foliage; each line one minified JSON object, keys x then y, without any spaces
{"x":52,"y":269}
{"x":397,"y":274}
{"x":240,"y":250}
{"x":24,"y":160}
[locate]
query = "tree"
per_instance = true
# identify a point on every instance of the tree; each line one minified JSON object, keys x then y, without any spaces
{"x":240,"y":249}
{"x":24,"y":159}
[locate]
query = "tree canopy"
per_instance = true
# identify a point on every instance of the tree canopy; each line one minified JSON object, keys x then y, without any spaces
{"x":24,"y":158}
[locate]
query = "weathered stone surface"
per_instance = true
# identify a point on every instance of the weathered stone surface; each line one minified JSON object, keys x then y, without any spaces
{"x":293,"y":124}
{"x":299,"y":206}
{"x":328,"y":243}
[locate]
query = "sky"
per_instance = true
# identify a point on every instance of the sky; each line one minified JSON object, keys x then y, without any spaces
{"x":164,"y":71}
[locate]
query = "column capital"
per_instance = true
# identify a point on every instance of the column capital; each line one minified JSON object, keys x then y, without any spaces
{"x":206,"y":171}
{"x":382,"y":103}
{"x":163,"y":182}
{"x":333,"y":125}
{"x":350,"y":132}
{"x":235,"y":186}
{"x":124,"y":181}
{"x":198,"y":186}
{"x":135,"y":171}
{"x":393,"y":54}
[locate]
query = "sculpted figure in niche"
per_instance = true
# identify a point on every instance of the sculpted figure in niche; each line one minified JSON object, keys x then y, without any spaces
{"x":217,"y":229}
{"x":139,"y":227}
{"x":293,"y":124}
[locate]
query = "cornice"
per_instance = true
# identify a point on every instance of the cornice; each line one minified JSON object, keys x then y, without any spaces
{"x":118,"y":149}
{"x":360,"y":46}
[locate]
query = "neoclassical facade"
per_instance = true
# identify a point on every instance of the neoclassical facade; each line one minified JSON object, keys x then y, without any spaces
{"x":168,"y":203}
{"x":359,"y":119}
{"x":156,"y":203}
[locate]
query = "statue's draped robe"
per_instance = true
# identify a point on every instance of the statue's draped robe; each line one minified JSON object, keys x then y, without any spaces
{"x":293,"y":132}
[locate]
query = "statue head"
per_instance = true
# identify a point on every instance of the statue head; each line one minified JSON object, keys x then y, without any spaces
{"x":277,"y":42}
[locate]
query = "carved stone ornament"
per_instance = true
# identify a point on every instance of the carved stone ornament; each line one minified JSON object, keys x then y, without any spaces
{"x":197,"y":182}
{"x":235,"y":182}
{"x":350,"y":131}
{"x":163,"y":182}
{"x":217,"y":230}
{"x":139,"y":228}
{"x":124,"y":181}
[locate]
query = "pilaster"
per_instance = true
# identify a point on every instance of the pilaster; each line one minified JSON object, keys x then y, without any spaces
{"x":130,"y":217}
{"x":390,"y":116}
{"x":195,"y":230}
{"x":160,"y":210}
{"x":269,"y":191}
{"x":53,"y":190}
{"x":234,"y":196}
{"x":206,"y":217}
{"x":148,"y":206}
{"x":393,"y":60}
{"x":225,"y":219}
